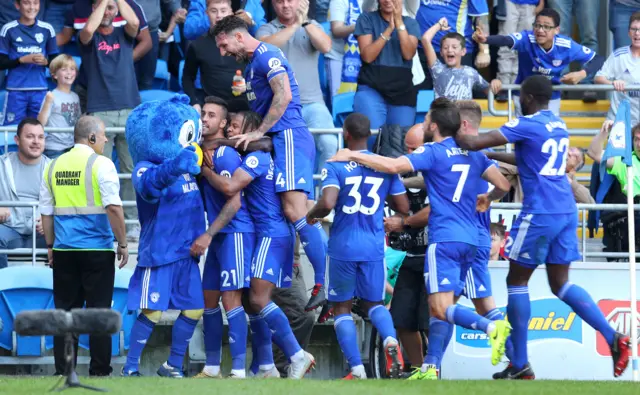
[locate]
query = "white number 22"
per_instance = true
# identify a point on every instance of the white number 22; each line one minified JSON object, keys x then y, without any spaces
{"x":355,"y":194}
{"x":464,"y":172}
{"x":553,"y":147}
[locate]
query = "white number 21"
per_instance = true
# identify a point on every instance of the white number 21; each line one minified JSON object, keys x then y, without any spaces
{"x":553,"y":147}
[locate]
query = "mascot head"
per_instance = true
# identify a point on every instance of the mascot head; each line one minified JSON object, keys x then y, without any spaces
{"x":158,"y":130}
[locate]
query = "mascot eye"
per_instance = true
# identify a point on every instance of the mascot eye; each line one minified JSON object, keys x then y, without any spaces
{"x":187,"y":133}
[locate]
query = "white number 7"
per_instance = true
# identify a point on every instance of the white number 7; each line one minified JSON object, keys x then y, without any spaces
{"x":464,"y":169}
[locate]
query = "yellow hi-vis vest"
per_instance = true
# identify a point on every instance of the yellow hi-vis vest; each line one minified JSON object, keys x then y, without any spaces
{"x":80,"y":221}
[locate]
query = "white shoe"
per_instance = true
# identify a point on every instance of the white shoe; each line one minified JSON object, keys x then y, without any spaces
{"x":133,"y":234}
{"x":272,"y":373}
{"x":240,"y":374}
{"x":298,"y":369}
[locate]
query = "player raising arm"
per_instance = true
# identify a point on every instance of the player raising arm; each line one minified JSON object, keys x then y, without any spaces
{"x":452,"y":176}
{"x":545,"y":231}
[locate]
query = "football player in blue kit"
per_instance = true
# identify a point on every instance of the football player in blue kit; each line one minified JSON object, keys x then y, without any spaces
{"x":356,"y":245}
{"x":272,"y":263}
{"x":272,"y":91}
{"x":171,"y":215}
{"x":452,"y":176}
{"x":545,"y":230}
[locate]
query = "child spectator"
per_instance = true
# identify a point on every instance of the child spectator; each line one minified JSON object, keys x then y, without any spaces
{"x":497,"y":241}
{"x":25,"y":45}
{"x":451,"y":79}
{"x":61,"y":107}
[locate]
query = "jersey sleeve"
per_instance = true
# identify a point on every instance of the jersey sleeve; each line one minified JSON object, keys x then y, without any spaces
{"x":143,"y":184}
{"x":226,"y":161}
{"x":413,"y":28}
{"x":478,"y":8}
{"x":140,"y":14}
{"x":397,"y":186}
{"x":52,"y":46}
{"x":514,"y":130}
{"x":271,"y":63}
{"x":364,"y":26}
{"x":329,"y":176}
{"x":484,"y":162}
{"x":608,"y":69}
{"x":520,"y":40}
{"x":580,"y":53}
{"x":5,"y":43}
{"x":256,"y":164}
{"x":479,"y":81}
{"x":422,"y":158}
{"x":619,"y":171}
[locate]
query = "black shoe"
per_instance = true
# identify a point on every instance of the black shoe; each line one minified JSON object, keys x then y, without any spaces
{"x":510,"y":373}
{"x":325,"y":313}
{"x":317,"y":298}
{"x":590,"y":97}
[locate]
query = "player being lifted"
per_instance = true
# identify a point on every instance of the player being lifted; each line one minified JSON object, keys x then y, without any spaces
{"x":452,"y":176}
{"x":272,"y":260}
{"x":545,"y":230}
{"x":272,"y":91}
{"x":356,"y":244}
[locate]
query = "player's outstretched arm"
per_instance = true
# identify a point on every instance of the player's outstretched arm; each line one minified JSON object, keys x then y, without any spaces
{"x":483,"y":140}
{"x":228,"y":186}
{"x":379,"y":163}
{"x":227,"y":213}
{"x":325,"y":204}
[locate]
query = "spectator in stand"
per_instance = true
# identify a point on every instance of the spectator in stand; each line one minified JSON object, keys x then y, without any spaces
{"x":497,"y":240}
{"x":198,"y":22}
{"x":388,"y":42}
{"x":545,"y":52}
{"x":622,"y":68}
{"x":26,"y":47}
{"x":302,"y":41}
{"x":56,"y":13}
{"x":20,"y":177}
{"x":216,"y":71}
{"x":451,"y":79}
{"x":461,"y":16}
{"x":586,"y":13}
{"x":76,"y":21}
{"x":61,"y":107}
{"x":620,"y":12}
{"x":112,"y":90}
{"x":520,"y":15}
{"x":146,"y":65}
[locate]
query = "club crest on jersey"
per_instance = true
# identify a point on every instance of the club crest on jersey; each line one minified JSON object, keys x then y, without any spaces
{"x":154,"y":297}
{"x":513,"y":123}
{"x":518,"y":36}
{"x":252,"y":162}
{"x":557,"y":62}
{"x":39,"y":37}
{"x":274,"y":63}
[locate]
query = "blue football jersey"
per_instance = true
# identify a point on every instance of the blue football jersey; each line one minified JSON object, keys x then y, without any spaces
{"x":18,"y":40}
{"x":264,"y":203}
{"x":357,"y":232}
{"x":268,"y":61}
{"x":170,"y":224}
{"x":225,"y":161}
{"x":533,"y":60}
{"x":452,"y":176}
{"x":459,"y":14}
{"x":541,"y":146}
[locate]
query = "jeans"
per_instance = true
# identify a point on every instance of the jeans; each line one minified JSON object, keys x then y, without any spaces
{"x":619,"y":15}
{"x":10,"y":239}
{"x":146,"y":66}
{"x":317,"y":116}
{"x":55,"y":14}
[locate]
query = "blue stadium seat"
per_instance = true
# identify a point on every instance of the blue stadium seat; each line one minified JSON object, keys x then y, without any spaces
{"x":24,"y":288}
{"x":161,"y":79}
{"x":424,"y":101}
{"x":155,"y":94}
{"x":342,"y":107}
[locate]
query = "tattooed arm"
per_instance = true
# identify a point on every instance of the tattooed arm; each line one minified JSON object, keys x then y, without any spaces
{"x":225,"y":216}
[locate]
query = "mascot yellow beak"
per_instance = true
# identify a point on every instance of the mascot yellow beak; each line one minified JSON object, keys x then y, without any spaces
{"x":199,"y":153}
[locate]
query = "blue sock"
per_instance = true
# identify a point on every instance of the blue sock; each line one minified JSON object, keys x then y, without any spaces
{"x":495,"y":315}
{"x":213,"y":327}
{"x":325,"y":238}
{"x":467,"y":318}
{"x":181,"y":334}
{"x":447,"y":339}
{"x":347,"y":338}
{"x":519,"y":312}
{"x":237,"y":337}
{"x":314,"y":246}
{"x":260,"y":343}
{"x":381,"y":319}
{"x":438,"y":331}
{"x":140,"y":333}
{"x":279,"y":325}
{"x":581,"y":302}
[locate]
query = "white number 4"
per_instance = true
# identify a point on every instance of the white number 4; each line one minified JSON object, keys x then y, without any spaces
{"x":464,"y":170}
{"x":355,"y":194}
{"x":280,"y":180}
{"x":552,"y":147}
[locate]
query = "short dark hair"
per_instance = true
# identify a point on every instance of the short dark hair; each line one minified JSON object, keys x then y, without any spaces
{"x":229,"y":24}
{"x":357,"y":125}
{"x":219,"y":102}
{"x":471,"y":111}
{"x":634,"y":18}
{"x":550,"y":13}
{"x":445,"y":114}
{"x":251,"y":120}
{"x":27,"y":121}
{"x":454,"y":35}
{"x":496,"y":228}
{"x":539,"y":87}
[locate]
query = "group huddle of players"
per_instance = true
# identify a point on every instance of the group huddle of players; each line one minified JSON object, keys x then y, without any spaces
{"x":255,"y":199}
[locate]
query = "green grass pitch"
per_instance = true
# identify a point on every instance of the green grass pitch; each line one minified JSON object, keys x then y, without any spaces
{"x":159,"y":386}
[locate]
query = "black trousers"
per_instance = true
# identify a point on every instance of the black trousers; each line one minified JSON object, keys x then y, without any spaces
{"x":79,"y":278}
